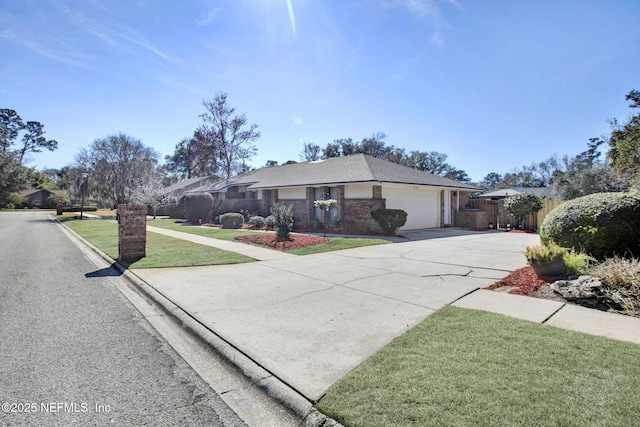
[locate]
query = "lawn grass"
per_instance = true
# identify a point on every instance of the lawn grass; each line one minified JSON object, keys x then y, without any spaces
{"x":162,"y":251}
{"x":469,"y":368}
{"x":213,"y":232}
{"x":334,"y":244}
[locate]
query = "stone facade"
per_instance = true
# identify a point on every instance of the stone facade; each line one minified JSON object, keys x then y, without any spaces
{"x":132,"y":232}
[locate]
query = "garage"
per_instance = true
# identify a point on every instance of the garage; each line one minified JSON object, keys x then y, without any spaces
{"x":422,"y":205}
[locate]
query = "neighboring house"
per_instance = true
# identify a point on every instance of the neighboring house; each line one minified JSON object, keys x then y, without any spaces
{"x":545,"y":192}
{"x":40,"y":198}
{"x":178,"y":189}
{"x":359,"y":183}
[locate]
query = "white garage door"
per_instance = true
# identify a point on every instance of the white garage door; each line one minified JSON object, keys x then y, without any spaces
{"x":422,"y":206}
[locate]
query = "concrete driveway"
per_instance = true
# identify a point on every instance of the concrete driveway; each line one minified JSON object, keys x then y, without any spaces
{"x":311,"y":319}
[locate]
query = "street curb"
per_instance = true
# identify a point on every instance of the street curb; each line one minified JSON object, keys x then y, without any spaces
{"x":265,"y":380}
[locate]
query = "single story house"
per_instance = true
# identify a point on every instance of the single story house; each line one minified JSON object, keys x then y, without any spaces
{"x":359,"y":183}
{"x":178,"y":189}
{"x":40,"y":198}
{"x":545,"y":192}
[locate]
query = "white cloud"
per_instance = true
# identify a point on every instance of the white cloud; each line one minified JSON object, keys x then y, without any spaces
{"x":430,"y":12}
{"x":208,"y":19}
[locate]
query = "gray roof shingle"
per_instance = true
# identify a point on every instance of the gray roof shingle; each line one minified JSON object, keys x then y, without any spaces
{"x":357,"y":168}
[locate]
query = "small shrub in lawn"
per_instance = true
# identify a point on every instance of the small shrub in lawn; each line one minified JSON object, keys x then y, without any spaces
{"x":198,"y":207}
{"x":390,"y":220}
{"x":231,"y":220}
{"x":270,"y":221}
{"x":256,"y":221}
{"x":601,"y":225}
{"x":10,"y":206}
{"x":283,"y":219}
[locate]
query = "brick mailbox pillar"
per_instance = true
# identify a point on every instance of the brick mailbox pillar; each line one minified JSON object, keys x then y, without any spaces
{"x":132,"y":232}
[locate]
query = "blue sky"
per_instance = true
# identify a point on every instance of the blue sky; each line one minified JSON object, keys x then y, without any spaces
{"x":493,"y":84}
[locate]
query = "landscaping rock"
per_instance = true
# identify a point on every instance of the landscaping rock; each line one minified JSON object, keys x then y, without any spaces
{"x":584,"y":287}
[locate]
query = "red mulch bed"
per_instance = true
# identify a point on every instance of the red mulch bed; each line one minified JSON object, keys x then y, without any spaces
{"x":294,"y":241}
{"x":523,"y":281}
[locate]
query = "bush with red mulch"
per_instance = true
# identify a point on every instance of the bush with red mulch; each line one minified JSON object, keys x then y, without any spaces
{"x":294,"y":241}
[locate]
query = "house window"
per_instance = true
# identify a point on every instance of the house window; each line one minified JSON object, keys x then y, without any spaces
{"x":319,"y":195}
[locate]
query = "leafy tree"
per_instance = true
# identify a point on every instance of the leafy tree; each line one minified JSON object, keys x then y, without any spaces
{"x":428,"y":161}
{"x":10,"y":126}
{"x":52,"y":200}
{"x":13,"y":176}
{"x":223,"y":135}
{"x":58,"y":177}
{"x":116,"y":165}
{"x":490,"y":181}
{"x":624,"y":142}
{"x":456,"y":174}
{"x":585,"y":174}
{"x":40,"y":180}
{"x":15,"y":199}
{"x":180,"y":163}
{"x":523,"y":204}
{"x":33,"y":140}
{"x":599,"y":178}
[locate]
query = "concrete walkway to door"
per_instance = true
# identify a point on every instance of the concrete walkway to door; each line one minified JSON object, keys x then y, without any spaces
{"x":309,"y":320}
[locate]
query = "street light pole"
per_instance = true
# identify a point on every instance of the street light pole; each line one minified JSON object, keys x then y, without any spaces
{"x":83,"y":189}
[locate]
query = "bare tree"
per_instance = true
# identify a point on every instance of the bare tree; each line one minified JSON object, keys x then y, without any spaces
{"x":116,"y":165}
{"x":225,"y":136}
{"x":311,"y":152}
{"x":149,"y":190}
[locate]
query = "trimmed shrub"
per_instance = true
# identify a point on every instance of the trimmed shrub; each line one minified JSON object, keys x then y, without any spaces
{"x":257,"y":221}
{"x":198,"y":207}
{"x":10,"y":206}
{"x":283,"y":219}
{"x":601,"y":225}
{"x":390,"y":220}
{"x":270,"y":221}
{"x":16,"y":199}
{"x":523,"y":204}
{"x":231,"y":220}
{"x":76,"y":208}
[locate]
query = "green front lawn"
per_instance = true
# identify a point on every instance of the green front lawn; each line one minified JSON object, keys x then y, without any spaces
{"x":213,"y":232}
{"x":162,"y":251}
{"x":338,"y":243}
{"x":470,"y":368}
{"x":334,"y":244}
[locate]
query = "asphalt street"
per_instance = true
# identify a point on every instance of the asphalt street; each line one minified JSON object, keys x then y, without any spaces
{"x":73,"y":350}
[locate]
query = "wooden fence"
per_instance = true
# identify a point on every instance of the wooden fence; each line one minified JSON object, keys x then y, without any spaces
{"x":501,"y":218}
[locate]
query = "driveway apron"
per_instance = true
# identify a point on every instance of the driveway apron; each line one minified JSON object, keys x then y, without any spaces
{"x":311,"y":319}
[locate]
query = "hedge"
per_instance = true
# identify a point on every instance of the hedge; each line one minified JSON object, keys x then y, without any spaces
{"x":601,"y":225}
